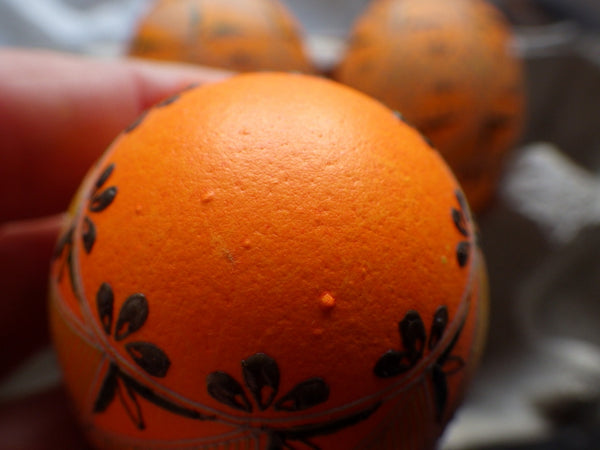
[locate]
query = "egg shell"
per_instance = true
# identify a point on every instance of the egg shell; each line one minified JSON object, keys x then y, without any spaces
{"x":273,"y":260}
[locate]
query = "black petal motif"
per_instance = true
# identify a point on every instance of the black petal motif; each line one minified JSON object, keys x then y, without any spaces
{"x":161,"y":402}
{"x":132,"y":316}
{"x":461,"y":218}
{"x":104,"y":304}
{"x":398,"y":115}
{"x":65,"y":247}
{"x":105,"y":175}
{"x":261,"y":373}
{"x":391,"y":364}
{"x":108,"y":389}
{"x":101,"y":201}
{"x":137,"y":122}
{"x":89,"y":234}
{"x":440,"y":390}
{"x":149,"y":357}
{"x":463,"y":249}
{"x":65,"y":241}
{"x":132,"y":406}
{"x":413,"y":335}
{"x":224,"y":388}
{"x":459,"y":222}
{"x":438,"y":326}
{"x":304,"y":395}
{"x":117,"y":383}
{"x":169,"y":100}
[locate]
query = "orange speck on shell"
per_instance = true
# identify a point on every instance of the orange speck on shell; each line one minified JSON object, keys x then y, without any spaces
{"x":327,"y":301}
{"x":208,"y":197}
{"x":173,"y":332}
{"x":240,"y":35}
{"x":450,"y":68}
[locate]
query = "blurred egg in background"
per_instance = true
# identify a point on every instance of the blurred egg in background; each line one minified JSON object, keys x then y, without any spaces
{"x":240,"y":35}
{"x":452,"y":70}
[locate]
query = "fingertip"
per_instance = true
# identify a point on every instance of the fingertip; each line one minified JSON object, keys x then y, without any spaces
{"x":26,"y":249}
{"x":151,"y":81}
{"x":59,"y":112}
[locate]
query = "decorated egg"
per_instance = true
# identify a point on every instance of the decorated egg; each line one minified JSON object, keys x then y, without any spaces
{"x":273,"y":261}
{"x":451,"y":69}
{"x":240,"y":35}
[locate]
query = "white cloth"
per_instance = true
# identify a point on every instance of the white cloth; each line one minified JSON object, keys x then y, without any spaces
{"x":84,"y":26}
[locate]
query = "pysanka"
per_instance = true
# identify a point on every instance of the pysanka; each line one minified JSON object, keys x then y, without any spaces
{"x":274,"y":261}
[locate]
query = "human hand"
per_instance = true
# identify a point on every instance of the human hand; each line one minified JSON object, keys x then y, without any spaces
{"x":58,"y":113}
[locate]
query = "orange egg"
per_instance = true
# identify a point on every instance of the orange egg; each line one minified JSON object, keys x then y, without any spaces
{"x":273,"y":261}
{"x":450,"y":68}
{"x":240,"y":35}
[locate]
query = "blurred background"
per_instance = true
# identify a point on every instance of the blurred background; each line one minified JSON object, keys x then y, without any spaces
{"x":539,"y":385}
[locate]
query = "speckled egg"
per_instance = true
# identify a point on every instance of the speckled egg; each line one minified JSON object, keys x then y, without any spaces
{"x":451,"y":69}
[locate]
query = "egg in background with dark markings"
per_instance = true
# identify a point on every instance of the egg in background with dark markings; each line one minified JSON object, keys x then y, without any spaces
{"x":239,"y":35}
{"x":449,"y":68}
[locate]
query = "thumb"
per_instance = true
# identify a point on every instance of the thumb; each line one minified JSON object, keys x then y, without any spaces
{"x":58,"y":112}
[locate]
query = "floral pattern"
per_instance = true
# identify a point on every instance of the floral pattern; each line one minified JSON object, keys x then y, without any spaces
{"x":260,"y":372}
{"x":258,"y":388}
{"x":461,"y":219}
{"x":100,"y":200}
{"x":261,"y":378}
{"x":414,"y":343}
{"x":150,"y":358}
{"x":132,"y":316}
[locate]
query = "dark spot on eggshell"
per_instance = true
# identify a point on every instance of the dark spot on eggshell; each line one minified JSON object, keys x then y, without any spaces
{"x":241,"y":59}
{"x":169,"y":100}
{"x":438,"y":48}
{"x":136,"y":123}
{"x":225,"y":30}
{"x":427,"y":140}
{"x":436,"y":123}
{"x":462,"y":253}
{"x":195,"y":18}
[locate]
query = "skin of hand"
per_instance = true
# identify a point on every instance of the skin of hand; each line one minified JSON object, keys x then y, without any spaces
{"x":58,"y":113}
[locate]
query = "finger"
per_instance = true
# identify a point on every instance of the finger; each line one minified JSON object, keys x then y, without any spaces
{"x":59,"y":112}
{"x":25,"y":252}
{"x":42,"y":421}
